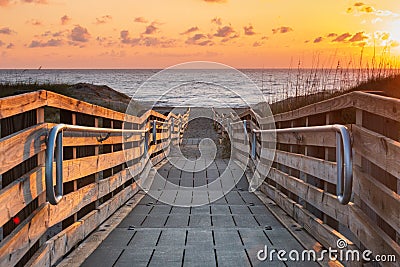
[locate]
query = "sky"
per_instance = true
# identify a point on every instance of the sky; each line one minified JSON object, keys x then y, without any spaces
{"x":161,"y":33}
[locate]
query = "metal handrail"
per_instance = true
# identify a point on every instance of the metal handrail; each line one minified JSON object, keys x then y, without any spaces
{"x":344,"y":161}
{"x":56,"y":136}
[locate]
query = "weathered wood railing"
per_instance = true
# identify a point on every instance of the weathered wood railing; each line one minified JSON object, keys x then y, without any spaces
{"x":302,"y":179}
{"x":97,"y":180}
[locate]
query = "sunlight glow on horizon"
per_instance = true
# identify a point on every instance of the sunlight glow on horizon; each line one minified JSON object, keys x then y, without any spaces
{"x":156,"y":34}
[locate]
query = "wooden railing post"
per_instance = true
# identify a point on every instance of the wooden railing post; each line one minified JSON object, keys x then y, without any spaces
{"x":96,"y":152}
{"x":75,"y":182}
{"x":40,"y":162}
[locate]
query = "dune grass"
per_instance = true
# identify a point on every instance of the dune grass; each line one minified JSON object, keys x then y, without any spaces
{"x":387,"y":86}
{"x":8,"y":89}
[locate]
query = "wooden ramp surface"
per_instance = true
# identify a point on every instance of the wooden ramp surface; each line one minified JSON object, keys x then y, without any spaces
{"x":227,"y":232}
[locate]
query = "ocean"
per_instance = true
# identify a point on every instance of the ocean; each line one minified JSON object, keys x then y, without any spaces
{"x":200,"y":87}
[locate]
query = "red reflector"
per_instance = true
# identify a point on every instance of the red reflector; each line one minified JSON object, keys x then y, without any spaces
{"x":16,"y":220}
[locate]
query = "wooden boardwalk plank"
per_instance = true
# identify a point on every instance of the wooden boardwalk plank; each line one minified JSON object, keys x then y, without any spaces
{"x":226,"y":232}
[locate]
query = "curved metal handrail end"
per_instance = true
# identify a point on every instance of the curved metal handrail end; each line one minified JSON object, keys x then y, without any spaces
{"x":53,"y":197}
{"x":344,"y":156}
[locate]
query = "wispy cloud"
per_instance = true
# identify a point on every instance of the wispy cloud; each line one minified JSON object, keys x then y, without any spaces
{"x":342,"y":37}
{"x":260,"y":42}
{"x":35,"y":1}
{"x":103,"y":19}
{"x":105,"y":41}
{"x":224,"y":31}
{"x":151,"y":29}
{"x":6,"y":31}
{"x":34,"y":22}
{"x":318,"y":39}
{"x":215,"y":1}
{"x":217,"y":21}
{"x":49,"y":43}
{"x":362,"y":8}
{"x":65,"y":20}
{"x":379,"y":35}
{"x":146,"y":40}
{"x":358,"y":37}
{"x":80,"y":34}
{"x":282,"y":29}
{"x":10,"y":46}
{"x":190,"y":30}
{"x":199,"y":39}
{"x":348,"y":37}
{"x":53,"y":34}
{"x":140,"y":20}
{"x":249,"y":30}
{"x":4,"y":3}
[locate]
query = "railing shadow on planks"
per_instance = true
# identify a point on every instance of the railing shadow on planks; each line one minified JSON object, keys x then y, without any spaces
{"x":97,"y":149}
{"x":302,"y":180}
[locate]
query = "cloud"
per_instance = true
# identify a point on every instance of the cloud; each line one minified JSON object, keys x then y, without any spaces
{"x":49,"y":43}
{"x":215,"y":1}
{"x":224,"y":31}
{"x":342,"y":37}
{"x":383,"y":36}
{"x":318,"y":39}
{"x":376,"y":20}
{"x":140,"y":20}
{"x":113,"y":53}
{"x":4,"y":2}
{"x":52,"y":34}
{"x":125,"y":39}
{"x":105,"y":41}
{"x":394,"y":43}
{"x":10,"y":46}
{"x":2,"y":43}
{"x":217,"y":21}
{"x":249,"y":30}
{"x":257,"y":44}
{"x":103,"y":19}
{"x":190,"y":30}
{"x":6,"y":31}
{"x":359,"y":8}
{"x":151,"y":29}
{"x":199,"y":39}
{"x":282,"y":29}
{"x":358,"y":37}
{"x":80,"y":34}
{"x":65,"y":20}
{"x":34,"y":22}
{"x":332,"y":34}
{"x":146,"y":40}
{"x":35,"y":1}
{"x":226,"y":39}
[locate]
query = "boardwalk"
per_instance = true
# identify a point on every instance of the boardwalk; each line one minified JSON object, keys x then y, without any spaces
{"x":227,"y":232}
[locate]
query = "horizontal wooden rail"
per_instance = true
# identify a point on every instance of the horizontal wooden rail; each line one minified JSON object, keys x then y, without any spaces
{"x":303,"y":173}
{"x":105,"y":165}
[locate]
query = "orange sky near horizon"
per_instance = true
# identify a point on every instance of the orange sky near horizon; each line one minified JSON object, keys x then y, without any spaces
{"x":157,"y":34}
